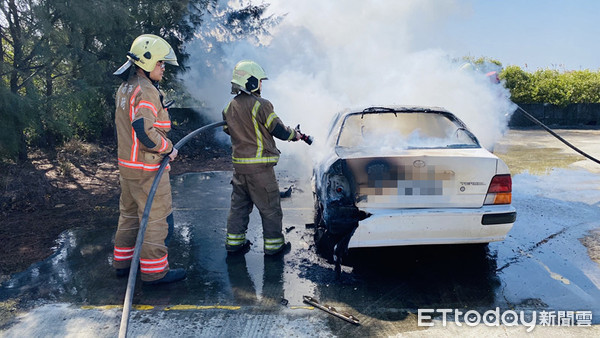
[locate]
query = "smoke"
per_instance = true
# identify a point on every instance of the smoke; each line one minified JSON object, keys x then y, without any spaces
{"x":324,"y":57}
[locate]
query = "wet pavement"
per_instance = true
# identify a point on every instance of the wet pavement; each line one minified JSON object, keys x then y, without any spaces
{"x":541,"y":266}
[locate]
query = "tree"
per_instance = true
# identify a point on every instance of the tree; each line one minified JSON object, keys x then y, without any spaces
{"x":20,"y":63}
{"x":58,"y":58}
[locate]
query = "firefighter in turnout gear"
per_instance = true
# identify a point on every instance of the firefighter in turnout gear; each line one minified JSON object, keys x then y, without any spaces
{"x":142,"y":124}
{"x":252,"y":123}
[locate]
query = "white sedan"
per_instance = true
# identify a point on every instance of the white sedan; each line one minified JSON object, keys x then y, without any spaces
{"x":397,"y":176}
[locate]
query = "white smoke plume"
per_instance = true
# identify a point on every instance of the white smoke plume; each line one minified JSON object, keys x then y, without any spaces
{"x":326,"y":56}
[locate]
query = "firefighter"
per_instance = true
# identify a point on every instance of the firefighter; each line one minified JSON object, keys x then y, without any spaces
{"x":251,"y":124}
{"x":142,"y":124}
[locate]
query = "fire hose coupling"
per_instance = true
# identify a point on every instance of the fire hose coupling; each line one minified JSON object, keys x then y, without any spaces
{"x":306,"y":138}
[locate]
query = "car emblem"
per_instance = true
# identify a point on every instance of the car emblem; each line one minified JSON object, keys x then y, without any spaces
{"x":418,"y":164}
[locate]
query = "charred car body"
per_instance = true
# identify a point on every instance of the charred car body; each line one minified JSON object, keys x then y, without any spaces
{"x":396,"y":176}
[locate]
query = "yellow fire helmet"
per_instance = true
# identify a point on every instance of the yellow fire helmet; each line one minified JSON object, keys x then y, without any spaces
{"x":246,"y":76}
{"x":149,"y":49}
{"x":146,"y":50}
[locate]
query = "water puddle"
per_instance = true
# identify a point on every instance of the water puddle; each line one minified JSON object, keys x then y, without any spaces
{"x":536,"y":161}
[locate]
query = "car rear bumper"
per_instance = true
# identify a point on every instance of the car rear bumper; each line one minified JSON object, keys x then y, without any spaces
{"x":398,"y":227}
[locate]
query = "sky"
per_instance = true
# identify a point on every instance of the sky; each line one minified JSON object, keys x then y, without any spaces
{"x":327,"y":56}
{"x":532,"y":34}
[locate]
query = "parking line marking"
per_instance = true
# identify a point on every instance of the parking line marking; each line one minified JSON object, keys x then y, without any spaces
{"x":555,"y":275}
{"x":110,"y":307}
{"x":302,"y":307}
{"x":201,"y":307}
{"x":180,"y":307}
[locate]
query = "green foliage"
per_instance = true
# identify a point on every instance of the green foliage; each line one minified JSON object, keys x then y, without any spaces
{"x":481,"y":60}
{"x":57,"y":59}
{"x":585,"y":86}
{"x":519,"y":83}
{"x":552,"y":86}
{"x":249,"y":20}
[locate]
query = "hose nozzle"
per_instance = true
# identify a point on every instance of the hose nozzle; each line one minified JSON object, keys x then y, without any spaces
{"x":306,"y":138}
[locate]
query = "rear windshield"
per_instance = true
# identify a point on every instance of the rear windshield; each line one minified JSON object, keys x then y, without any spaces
{"x":398,"y":131}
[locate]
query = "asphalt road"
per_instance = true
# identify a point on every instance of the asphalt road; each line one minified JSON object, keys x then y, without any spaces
{"x":542,"y":270}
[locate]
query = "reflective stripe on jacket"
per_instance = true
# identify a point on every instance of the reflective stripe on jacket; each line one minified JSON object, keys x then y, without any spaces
{"x":142,"y":125}
{"x":252,"y":123}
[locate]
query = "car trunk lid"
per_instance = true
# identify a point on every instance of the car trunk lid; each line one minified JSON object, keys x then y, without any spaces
{"x":422,"y":178}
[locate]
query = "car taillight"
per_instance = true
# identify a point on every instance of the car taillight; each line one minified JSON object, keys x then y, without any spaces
{"x":500,"y":190}
{"x":337,"y":187}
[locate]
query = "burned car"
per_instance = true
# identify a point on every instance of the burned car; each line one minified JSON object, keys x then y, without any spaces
{"x":396,"y":176}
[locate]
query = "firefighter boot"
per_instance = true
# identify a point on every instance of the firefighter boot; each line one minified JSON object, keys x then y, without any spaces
{"x":242,"y":250}
{"x":174,"y":275}
{"x":283,"y":250}
{"x":122,"y":272}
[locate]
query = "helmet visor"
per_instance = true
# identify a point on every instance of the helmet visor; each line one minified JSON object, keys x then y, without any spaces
{"x":170,"y":58}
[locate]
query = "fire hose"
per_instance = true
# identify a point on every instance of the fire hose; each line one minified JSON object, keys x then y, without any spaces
{"x":536,"y":121}
{"x":140,"y":236}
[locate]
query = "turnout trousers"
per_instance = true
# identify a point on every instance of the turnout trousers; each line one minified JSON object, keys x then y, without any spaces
{"x":258,"y":189}
{"x":154,"y":263}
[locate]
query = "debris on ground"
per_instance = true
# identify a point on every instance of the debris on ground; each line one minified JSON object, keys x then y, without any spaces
{"x":286,"y":193}
{"x":331,"y":310}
